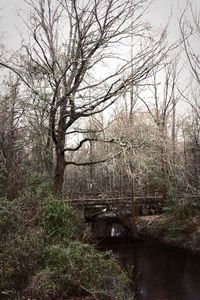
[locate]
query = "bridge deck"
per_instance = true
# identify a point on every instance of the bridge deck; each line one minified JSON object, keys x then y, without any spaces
{"x":115,"y":201}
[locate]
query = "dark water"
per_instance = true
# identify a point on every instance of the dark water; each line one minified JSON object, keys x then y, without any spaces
{"x":160,"y":273}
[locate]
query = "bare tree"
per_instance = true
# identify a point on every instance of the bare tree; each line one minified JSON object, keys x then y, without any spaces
{"x":161,"y":105}
{"x":189,"y":24}
{"x":71,"y":43}
{"x":11,"y":139}
{"x":190,"y":33}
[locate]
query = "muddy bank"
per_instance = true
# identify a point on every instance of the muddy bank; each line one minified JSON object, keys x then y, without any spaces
{"x":171,"y":231}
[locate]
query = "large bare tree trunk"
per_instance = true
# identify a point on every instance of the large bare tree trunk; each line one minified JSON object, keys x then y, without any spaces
{"x":59,"y":172}
{"x":60,"y":154}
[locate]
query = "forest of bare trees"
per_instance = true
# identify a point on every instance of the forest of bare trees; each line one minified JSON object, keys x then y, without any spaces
{"x":98,"y":100}
{"x":99,"y":133}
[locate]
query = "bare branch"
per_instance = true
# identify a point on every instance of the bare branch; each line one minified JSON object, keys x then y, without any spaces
{"x":88,"y":140}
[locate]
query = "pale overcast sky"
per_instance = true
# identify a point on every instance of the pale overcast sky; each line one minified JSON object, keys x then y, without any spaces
{"x":161,"y":10}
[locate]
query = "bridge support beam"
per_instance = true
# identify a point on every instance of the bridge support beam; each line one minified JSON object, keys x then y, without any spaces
{"x":133,"y":220}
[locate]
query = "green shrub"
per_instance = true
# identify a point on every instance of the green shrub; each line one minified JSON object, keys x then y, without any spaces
{"x":3,"y":181}
{"x":60,"y":220}
{"x":77,"y":269}
{"x":21,"y":245}
{"x":38,"y":185}
{"x":20,"y":257}
{"x":182,"y":207}
{"x":44,"y":286}
{"x":10,"y":217}
{"x":42,"y":252}
{"x":176,"y":231}
{"x":182,"y":204}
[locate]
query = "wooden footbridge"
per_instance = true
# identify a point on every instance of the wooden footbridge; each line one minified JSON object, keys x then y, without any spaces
{"x":101,"y":204}
{"x":108,"y":213}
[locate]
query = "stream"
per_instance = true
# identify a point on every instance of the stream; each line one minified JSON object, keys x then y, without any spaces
{"x":158,"y":272}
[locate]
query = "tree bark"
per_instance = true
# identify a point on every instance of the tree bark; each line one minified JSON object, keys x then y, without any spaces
{"x":59,"y":172}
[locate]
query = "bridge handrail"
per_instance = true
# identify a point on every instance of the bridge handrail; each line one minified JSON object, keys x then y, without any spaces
{"x":116,"y":200}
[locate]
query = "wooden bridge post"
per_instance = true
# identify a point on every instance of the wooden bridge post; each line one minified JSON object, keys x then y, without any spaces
{"x":133,"y":220}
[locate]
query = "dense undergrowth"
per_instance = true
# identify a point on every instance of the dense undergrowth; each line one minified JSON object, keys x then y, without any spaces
{"x":182,"y":204}
{"x":44,"y":252}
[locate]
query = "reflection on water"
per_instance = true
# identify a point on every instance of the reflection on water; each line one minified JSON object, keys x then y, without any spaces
{"x":160,"y":273}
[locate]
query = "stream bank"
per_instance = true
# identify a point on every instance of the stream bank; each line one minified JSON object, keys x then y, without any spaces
{"x":157,"y":270}
{"x":172,"y":231}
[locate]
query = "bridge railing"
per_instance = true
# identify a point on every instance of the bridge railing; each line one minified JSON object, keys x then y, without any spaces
{"x":115,"y":199}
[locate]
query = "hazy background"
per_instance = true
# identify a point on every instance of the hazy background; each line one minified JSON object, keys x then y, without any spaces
{"x":161,"y":10}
